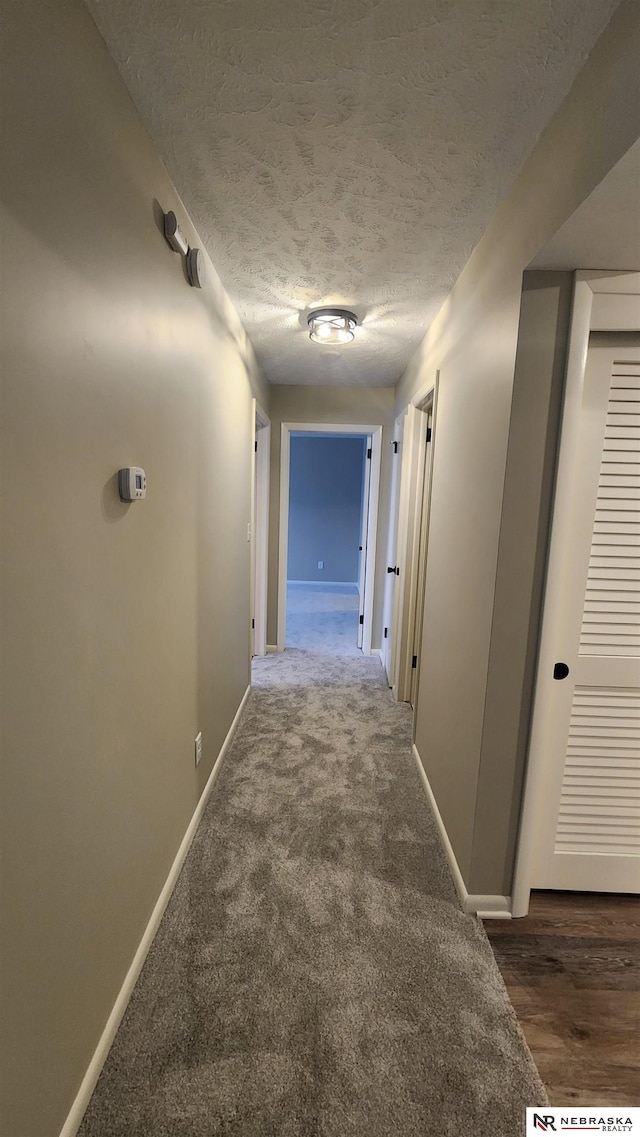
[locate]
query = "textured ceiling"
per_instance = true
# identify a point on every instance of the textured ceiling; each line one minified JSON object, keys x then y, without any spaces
{"x":345,"y":151}
{"x":605,"y":231}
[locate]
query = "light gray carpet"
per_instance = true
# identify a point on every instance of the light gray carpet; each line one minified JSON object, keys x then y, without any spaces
{"x":313,"y":975}
{"x":324,"y":619}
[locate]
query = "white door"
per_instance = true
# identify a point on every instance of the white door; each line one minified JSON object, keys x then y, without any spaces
{"x":392,"y":547}
{"x":259,"y":531}
{"x":421,"y":572}
{"x":252,"y":529}
{"x":364,"y":536}
{"x":412,"y":466}
{"x":589,"y":834}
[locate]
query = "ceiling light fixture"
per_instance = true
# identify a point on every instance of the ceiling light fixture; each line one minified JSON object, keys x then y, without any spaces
{"x":331,"y":325}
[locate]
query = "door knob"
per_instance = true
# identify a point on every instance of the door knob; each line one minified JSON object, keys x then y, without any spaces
{"x":560,"y":671}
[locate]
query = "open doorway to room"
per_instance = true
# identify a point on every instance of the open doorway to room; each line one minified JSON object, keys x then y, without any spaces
{"x":329,"y":497}
{"x":327,"y":534}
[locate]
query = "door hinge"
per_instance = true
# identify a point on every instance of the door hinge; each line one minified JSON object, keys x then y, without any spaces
{"x":395,"y":447}
{"x":386,"y":633}
{"x":414,"y":662}
{"x":362,"y":619}
{"x":428,"y":434}
{"x":253,"y":623}
{"x":255,"y":446}
{"x":369,"y":452}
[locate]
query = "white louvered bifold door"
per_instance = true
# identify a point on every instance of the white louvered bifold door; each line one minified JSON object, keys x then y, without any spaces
{"x":591,"y":837}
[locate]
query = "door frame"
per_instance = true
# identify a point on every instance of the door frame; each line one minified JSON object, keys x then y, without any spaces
{"x":416,"y":614}
{"x":375,"y":433}
{"x":602,"y":302}
{"x":389,"y":598}
{"x":259,"y":530}
{"x":413,"y":473}
{"x":362,"y":547}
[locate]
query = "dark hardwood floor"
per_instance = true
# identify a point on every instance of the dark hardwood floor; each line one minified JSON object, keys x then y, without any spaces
{"x":572,"y":970}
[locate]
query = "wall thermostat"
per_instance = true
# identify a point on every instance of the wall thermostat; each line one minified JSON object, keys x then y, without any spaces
{"x":195,"y":268}
{"x":174,"y":234}
{"x":132,"y":483}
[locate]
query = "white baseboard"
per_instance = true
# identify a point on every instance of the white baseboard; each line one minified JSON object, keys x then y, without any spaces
{"x":322,"y":583}
{"x":489,"y":907}
{"x":78,"y":1109}
{"x":461,"y":887}
{"x":272,"y":649}
{"x":485,"y":907}
{"x":376,"y":651}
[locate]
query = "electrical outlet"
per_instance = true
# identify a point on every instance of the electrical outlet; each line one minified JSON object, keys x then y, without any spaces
{"x":320,"y":564}
{"x":198,"y":747}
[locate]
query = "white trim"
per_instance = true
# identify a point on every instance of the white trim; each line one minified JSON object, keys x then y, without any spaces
{"x":534,"y":803}
{"x":390,"y":585}
{"x":363,"y":540}
{"x":424,"y":398}
{"x":324,"y":583}
{"x":272,"y":649}
{"x":458,"y":880}
{"x":375,"y":432}
{"x":372,"y":539}
{"x":489,"y":907}
{"x":260,"y":469}
{"x":88,"y":1084}
{"x":376,"y":651}
{"x":283,"y":536}
{"x":485,"y":907}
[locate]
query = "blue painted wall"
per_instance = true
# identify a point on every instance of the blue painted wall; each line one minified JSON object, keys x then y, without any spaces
{"x":325,"y":505}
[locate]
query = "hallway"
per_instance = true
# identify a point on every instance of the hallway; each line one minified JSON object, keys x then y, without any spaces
{"x":313,"y":973}
{"x":227,"y":227}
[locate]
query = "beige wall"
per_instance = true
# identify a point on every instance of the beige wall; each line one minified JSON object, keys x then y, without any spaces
{"x":368,"y":406}
{"x":473,"y":343}
{"x":124,"y":628}
{"x":522,"y":552}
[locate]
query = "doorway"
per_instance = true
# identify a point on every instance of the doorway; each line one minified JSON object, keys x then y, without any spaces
{"x":409,"y":565}
{"x":329,"y":486}
{"x":391,"y":574}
